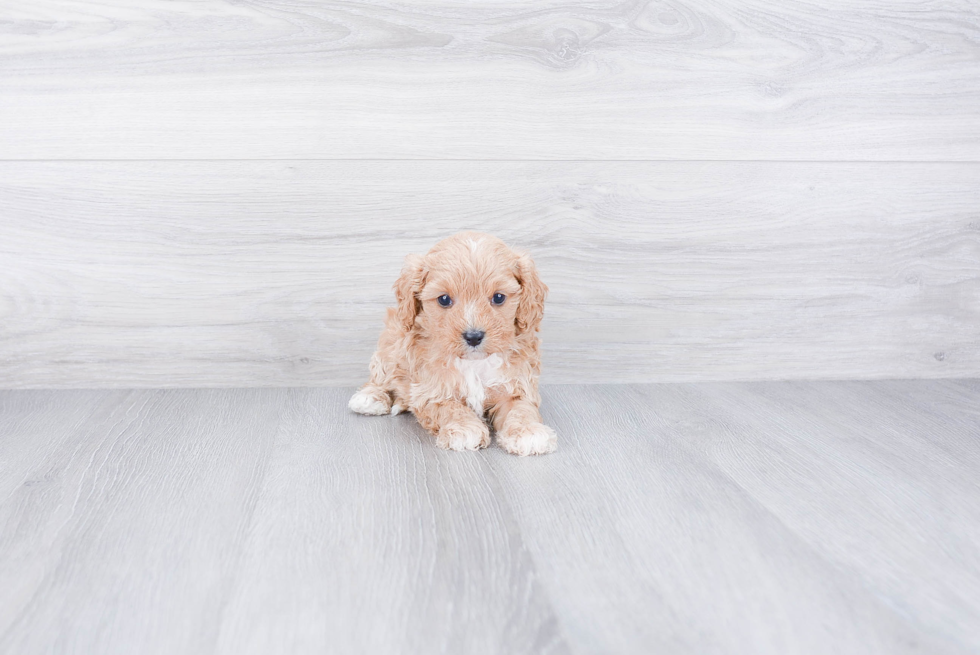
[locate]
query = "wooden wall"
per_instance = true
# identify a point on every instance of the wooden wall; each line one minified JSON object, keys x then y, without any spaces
{"x":221,"y":193}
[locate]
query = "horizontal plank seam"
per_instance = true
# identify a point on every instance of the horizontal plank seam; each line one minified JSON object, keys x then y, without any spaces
{"x":514,"y":161}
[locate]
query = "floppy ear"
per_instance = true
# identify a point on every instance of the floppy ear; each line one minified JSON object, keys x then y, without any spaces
{"x":530,"y":307}
{"x":407,"y":289}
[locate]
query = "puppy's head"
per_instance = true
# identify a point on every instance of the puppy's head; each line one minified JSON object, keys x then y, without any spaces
{"x":471,"y":295}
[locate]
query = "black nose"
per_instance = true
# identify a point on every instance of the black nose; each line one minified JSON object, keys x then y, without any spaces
{"x":474,"y":337}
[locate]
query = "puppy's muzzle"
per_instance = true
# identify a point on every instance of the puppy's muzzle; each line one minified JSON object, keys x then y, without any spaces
{"x":474,"y":337}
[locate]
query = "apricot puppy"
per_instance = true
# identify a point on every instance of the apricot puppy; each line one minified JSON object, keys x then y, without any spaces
{"x":462,"y":346}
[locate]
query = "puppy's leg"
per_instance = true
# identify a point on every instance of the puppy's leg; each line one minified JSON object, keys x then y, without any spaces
{"x":520,"y":430}
{"x":455,"y":425}
{"x":379,"y":396}
{"x":370,"y":399}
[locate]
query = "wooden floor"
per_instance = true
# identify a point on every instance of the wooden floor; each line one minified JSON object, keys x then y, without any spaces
{"x":783,"y":517}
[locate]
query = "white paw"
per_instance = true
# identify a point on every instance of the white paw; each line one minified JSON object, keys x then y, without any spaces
{"x":370,"y":402}
{"x":397,"y":409}
{"x":530,"y":439}
{"x":469,"y":436}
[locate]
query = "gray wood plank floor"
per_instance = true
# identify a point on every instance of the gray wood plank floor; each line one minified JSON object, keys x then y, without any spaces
{"x":778,"y":517}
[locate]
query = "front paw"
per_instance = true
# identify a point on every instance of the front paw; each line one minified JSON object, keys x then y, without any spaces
{"x":528,"y":439}
{"x":471,"y":435}
{"x":371,"y":401}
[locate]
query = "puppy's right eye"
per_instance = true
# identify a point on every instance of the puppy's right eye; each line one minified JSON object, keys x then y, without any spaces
{"x":445,"y":300}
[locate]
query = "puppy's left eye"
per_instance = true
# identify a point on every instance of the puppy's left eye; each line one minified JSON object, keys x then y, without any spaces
{"x":498,"y":299}
{"x":445,"y":300}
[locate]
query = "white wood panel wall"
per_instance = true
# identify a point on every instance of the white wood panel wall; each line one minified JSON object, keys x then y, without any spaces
{"x":485,"y":79}
{"x":204,"y":273}
{"x":220,"y":193}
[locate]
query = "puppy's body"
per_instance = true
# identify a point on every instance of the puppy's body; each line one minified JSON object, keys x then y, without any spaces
{"x":452,"y":354}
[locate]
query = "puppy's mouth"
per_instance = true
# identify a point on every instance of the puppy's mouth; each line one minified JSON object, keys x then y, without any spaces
{"x":474,"y":352}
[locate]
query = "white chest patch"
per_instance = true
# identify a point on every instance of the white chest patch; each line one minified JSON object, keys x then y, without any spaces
{"x":478,"y":376}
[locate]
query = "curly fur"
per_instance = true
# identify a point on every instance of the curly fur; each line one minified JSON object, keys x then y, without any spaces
{"x":424,"y":365}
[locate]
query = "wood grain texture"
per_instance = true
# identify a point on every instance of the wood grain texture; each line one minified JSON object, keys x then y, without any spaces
{"x":882,"y":80}
{"x":803,"y":517}
{"x":777,"y":517}
{"x":123,"y":532}
{"x":177,"y":274}
{"x":367,"y":538}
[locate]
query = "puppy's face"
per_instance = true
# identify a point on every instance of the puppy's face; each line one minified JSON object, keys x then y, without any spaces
{"x":473,"y":296}
{"x":469,"y":302}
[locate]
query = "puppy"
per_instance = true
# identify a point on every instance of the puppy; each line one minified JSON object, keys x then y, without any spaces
{"x":462,"y":346}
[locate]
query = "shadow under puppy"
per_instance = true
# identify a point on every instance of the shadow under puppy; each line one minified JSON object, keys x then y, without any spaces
{"x":462,"y":345}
